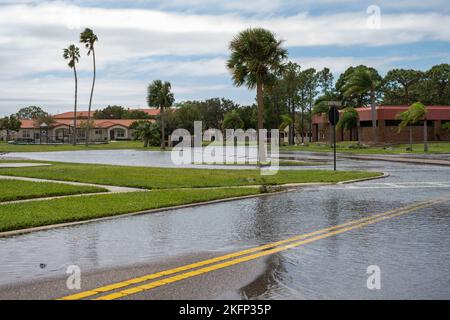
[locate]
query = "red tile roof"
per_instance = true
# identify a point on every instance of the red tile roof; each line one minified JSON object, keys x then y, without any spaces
{"x":98,"y":123}
{"x":28,"y":124}
{"x":151,"y":111}
{"x":391,"y":112}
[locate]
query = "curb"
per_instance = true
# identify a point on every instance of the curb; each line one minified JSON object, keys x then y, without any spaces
{"x":131,"y":214}
{"x":289,"y":188}
{"x":430,"y":162}
{"x":385,"y":175}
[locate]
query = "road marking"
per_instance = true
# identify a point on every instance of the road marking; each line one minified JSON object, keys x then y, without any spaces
{"x":251,"y":254}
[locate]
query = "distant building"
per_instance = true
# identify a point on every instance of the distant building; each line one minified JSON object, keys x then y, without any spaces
{"x":387,"y":124}
{"x":60,"y":131}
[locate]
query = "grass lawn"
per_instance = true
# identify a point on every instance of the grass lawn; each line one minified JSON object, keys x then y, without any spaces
{"x":19,"y":190}
{"x":40,"y":213}
{"x":172,"y":178}
{"x":116,"y":145}
{"x":348,"y":147}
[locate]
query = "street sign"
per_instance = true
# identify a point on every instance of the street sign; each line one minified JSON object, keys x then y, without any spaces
{"x":333,"y":118}
{"x":333,"y":115}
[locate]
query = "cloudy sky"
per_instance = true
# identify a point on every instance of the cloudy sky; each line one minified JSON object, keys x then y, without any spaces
{"x":186,"y":43}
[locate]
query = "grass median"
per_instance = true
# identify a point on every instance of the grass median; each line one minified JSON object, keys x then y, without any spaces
{"x":41,"y":213}
{"x":352,"y":147}
{"x":11,"y":190}
{"x":172,"y":178}
{"x":114,"y":145}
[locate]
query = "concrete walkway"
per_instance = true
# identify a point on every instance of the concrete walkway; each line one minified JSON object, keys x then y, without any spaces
{"x":436,"y":162}
{"x":22,"y":165}
{"x":115,"y":189}
{"x":110,"y":189}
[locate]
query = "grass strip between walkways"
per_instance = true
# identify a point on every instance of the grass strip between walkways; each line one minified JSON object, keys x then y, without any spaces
{"x":12,"y":190}
{"x":173,"y":178}
{"x":115,"y":145}
{"x":352,"y":147}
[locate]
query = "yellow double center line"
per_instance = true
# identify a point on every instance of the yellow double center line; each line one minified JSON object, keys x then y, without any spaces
{"x":240,"y":257}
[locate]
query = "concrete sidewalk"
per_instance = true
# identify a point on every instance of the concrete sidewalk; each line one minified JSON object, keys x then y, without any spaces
{"x":116,"y":189}
{"x":408,"y":159}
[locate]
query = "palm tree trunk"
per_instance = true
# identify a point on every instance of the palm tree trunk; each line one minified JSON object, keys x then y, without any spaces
{"x":310,"y":122}
{"x":359,"y":132}
{"x":260,"y":102}
{"x":303,"y":125}
{"x":163,"y":140}
{"x":410,"y":138}
{"x":88,"y":127}
{"x":292,"y":133}
{"x":425,"y":136}
{"x":75,"y":108}
{"x":374,"y":117}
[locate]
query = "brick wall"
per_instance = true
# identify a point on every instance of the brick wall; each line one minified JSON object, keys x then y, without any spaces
{"x":387,"y":134}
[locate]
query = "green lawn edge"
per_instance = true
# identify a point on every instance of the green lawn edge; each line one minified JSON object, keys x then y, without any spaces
{"x":351,"y":147}
{"x":14,"y":190}
{"x":64,"y":210}
{"x":176,"y":178}
{"x":118,"y":145}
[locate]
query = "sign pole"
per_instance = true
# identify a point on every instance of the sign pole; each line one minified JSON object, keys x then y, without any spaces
{"x":333,"y":118}
{"x":334,"y":146}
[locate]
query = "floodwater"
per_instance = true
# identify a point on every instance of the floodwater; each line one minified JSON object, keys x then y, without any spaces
{"x":412,"y":251}
{"x":146,"y":158}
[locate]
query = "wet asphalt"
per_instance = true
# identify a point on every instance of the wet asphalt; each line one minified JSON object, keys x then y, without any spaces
{"x":411,"y":251}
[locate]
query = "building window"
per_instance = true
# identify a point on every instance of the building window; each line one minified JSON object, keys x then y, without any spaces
{"x":120,"y":133}
{"x":61,"y":133}
{"x":392,"y":123}
{"x":81,"y":133}
{"x":366,"y":124}
{"x":98,"y":132}
{"x":26,"y":134}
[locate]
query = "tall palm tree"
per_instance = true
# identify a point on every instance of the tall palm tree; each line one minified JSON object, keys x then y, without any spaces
{"x":72,"y":54}
{"x":365,"y":81}
{"x":159,"y":95}
{"x":89,"y":38}
{"x":256,"y":57}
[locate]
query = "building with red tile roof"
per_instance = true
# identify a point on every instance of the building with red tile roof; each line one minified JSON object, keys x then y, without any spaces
{"x":61,"y":129}
{"x":387,"y":126}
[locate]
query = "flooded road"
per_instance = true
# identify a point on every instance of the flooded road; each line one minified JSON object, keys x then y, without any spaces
{"x":412,"y":251}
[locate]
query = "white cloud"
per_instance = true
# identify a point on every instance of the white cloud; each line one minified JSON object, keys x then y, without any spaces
{"x":132,"y":41}
{"x":56,"y":94}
